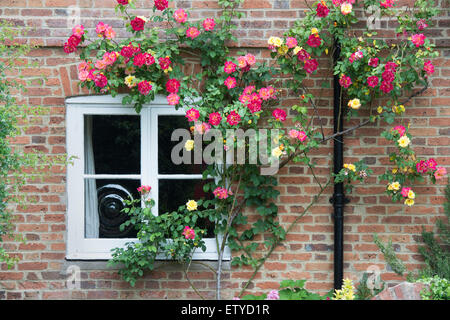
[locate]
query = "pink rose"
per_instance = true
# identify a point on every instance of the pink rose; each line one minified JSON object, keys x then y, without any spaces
{"x":192,"y":114}
{"x":418,"y":39}
{"x":291,"y":42}
{"x":144,"y":189}
{"x":192,"y":32}
{"x":180,"y":16}
{"x":144,"y":87}
{"x":440,"y":173}
{"x":405,"y":192}
{"x":279,"y":114}
{"x":345,"y":81}
{"x":172,"y":85}
{"x":421,"y":24}
{"x":188,"y":233}
{"x":229,"y":67}
{"x":428,"y":67}
{"x":422,"y":166}
{"x":302,"y":136}
{"x":215,"y":118}
{"x":400,"y":129}
{"x":431,"y":163}
{"x":209,"y":24}
{"x":173,"y":99}
{"x":230,"y":82}
{"x":233,"y":118}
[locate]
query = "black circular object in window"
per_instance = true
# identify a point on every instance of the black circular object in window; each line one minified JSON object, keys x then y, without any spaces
{"x":110,"y":205}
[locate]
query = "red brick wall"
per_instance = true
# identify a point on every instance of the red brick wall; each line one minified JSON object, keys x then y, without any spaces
{"x":308,"y":251}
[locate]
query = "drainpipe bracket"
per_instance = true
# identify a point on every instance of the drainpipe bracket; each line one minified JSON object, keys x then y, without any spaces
{"x":339,"y":200}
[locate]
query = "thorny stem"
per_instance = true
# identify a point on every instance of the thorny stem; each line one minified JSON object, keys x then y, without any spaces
{"x":225,"y":237}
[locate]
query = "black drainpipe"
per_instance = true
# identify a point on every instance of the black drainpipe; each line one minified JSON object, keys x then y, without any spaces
{"x":338,"y":199}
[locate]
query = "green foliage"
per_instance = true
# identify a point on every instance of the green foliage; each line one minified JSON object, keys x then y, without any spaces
{"x":357,"y":171}
{"x":389,"y":255}
{"x":439,"y":289}
{"x":16,"y":167}
{"x":436,"y":248}
{"x":158,"y":237}
{"x":246,"y":93}
{"x":292,"y":290}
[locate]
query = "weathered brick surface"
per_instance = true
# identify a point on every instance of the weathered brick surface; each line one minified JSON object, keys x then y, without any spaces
{"x":402,"y":291}
{"x":308,"y":250}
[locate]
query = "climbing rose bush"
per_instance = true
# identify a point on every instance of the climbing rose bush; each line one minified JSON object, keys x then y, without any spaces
{"x":239,"y":92}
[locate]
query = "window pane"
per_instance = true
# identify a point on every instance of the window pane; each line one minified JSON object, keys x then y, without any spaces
{"x":104,"y":201}
{"x":166,"y":125}
{"x":175,"y":193}
{"x":112,"y":144}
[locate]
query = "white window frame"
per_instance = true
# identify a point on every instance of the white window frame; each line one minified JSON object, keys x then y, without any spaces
{"x":79,"y":247}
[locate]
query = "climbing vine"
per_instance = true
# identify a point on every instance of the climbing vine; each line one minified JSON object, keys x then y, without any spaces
{"x":237,"y":92}
{"x":17,"y":167}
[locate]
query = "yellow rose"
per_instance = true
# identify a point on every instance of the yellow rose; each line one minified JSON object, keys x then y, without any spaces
{"x":350,"y":166}
{"x":354,"y":103}
{"x":411,"y":194}
{"x":277,"y":152}
{"x":380,"y":109}
{"x":277,"y":42}
{"x":129,"y":81}
{"x":403,"y":141}
{"x":297,"y":49}
{"x":189,"y":145}
{"x":191,"y":205}
{"x":394,"y":186}
{"x":409,"y":202}
{"x":282,"y":50}
{"x":314,"y":31}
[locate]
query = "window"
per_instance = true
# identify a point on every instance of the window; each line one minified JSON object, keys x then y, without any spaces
{"x":116,"y":151}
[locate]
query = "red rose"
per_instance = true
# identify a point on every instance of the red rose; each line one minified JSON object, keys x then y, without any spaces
{"x":372,"y":81}
{"x":68,"y":48}
{"x":137,"y":24}
{"x":139,"y":59}
{"x":172,"y":85}
{"x":386,"y":87}
{"x":161,"y":4}
{"x":164,"y":63}
{"x":311,"y":65}
{"x":73,"y":41}
{"x":314,"y":40}
{"x":144,"y":87}
{"x":100,"y":80}
{"x":322,"y":10}
{"x":149,"y":59}
{"x":303,"y":55}
{"x":122,"y":2}
{"x":127,"y":52}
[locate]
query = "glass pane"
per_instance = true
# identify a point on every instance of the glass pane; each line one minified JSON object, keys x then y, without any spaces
{"x":175,"y":193}
{"x":166,"y":125}
{"x":104,"y":201}
{"x":112,"y":144}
